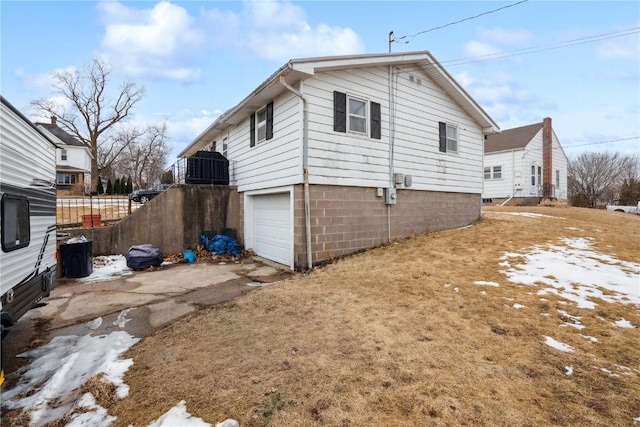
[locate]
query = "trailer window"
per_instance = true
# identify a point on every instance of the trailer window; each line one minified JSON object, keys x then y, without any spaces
{"x":16,"y":232}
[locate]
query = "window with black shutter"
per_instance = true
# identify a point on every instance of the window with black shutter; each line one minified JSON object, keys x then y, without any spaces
{"x":261,"y":125}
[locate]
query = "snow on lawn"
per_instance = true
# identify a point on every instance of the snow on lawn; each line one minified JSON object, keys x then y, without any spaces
{"x":107,"y":268}
{"x":485,"y":283}
{"x":49,"y":386}
{"x":178,"y":416}
{"x":558,"y":345}
{"x":576,"y":272}
{"x":529,"y":215}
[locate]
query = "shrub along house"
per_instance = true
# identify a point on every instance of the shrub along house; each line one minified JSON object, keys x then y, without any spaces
{"x":73,"y":161}
{"x":336,"y":154}
{"x":524,"y":165}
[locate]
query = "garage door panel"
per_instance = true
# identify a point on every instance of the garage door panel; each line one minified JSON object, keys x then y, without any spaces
{"x":272,"y":227}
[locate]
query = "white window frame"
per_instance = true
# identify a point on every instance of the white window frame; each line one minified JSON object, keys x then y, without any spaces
{"x":63,"y":154}
{"x":497,"y":172}
{"x":487,"y":173}
{"x":261,"y":125}
{"x":452,"y":142}
{"x":225,"y":145}
{"x":364,"y":117}
{"x":66,"y":179}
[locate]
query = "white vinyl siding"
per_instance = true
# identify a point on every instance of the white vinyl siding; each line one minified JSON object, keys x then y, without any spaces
{"x":352,"y":159}
{"x":271,"y":163}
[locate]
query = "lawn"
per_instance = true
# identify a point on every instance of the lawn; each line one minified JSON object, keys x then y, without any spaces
{"x":529,"y":317}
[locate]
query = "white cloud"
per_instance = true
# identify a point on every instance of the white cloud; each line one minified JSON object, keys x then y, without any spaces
{"x":279,"y":31}
{"x":503,"y":37}
{"x":476,"y":48}
{"x":151,"y":42}
{"x":623,"y":48}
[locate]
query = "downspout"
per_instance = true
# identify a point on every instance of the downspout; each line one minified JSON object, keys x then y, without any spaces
{"x":305,"y":168}
{"x":391,"y":136}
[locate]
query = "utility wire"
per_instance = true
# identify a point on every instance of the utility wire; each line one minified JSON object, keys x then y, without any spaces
{"x":523,"y":51}
{"x":413,"y":36}
{"x":601,"y":142}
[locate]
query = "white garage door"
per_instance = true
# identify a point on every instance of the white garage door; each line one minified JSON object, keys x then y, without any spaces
{"x":272,"y":227}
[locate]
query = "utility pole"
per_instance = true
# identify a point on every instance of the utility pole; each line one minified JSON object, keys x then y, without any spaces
{"x":391,"y":40}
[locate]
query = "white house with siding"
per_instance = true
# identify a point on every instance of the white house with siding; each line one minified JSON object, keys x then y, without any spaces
{"x":336,"y":154}
{"x":524,"y":165}
{"x":73,"y":161}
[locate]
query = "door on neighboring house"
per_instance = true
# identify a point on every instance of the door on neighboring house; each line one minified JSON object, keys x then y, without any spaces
{"x":536,"y":180}
{"x":273,"y":227}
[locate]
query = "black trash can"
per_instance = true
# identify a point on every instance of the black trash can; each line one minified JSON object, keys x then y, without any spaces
{"x":77,"y":259}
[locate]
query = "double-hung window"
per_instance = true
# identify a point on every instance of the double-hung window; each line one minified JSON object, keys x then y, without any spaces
{"x":225,"y":146}
{"x":448,"y":137}
{"x":493,"y":172}
{"x":356,"y":115}
{"x":16,"y":231}
{"x":261,"y":125}
{"x":63,"y":154}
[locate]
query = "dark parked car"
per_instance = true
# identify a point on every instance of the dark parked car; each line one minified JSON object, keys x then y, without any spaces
{"x":143,"y":196}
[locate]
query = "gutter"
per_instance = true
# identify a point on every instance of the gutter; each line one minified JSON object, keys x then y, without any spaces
{"x":305,"y":168}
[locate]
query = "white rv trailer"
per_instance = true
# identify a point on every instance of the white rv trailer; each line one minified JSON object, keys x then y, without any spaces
{"x":28,"y":207}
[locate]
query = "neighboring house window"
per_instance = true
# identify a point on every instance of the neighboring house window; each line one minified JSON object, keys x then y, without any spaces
{"x":533,"y":175}
{"x":448,"y":137}
{"x":63,"y":154}
{"x":351,"y":113}
{"x":224,"y":147}
{"x":65,"y":179}
{"x":16,"y":232}
{"x":557,"y":178}
{"x":261,"y":125}
{"x":494,"y":172}
{"x":539,"y":175}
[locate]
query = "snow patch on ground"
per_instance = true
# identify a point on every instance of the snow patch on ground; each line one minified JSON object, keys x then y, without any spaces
{"x":575,"y":272}
{"x":485,"y":283}
{"x":107,"y":268}
{"x":623,"y":323}
{"x":179,"y":416}
{"x":49,"y":385}
{"x":568,"y":370}
{"x":517,"y":306}
{"x":558,"y":345}
{"x":529,"y":215}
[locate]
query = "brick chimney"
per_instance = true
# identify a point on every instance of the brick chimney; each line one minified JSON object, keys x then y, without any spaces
{"x":54,"y":120}
{"x":547,"y":158}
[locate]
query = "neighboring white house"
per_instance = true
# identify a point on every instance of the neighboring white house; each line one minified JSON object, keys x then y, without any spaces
{"x":73,"y":161}
{"x":524,"y":165}
{"x":337,"y":154}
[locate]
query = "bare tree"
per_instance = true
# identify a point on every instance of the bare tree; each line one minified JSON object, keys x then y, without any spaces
{"x":144,"y":156}
{"x":596,"y":178}
{"x":96,"y":109}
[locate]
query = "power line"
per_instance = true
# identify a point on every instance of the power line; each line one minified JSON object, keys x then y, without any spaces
{"x":413,"y":36}
{"x":534,"y":49}
{"x":601,"y":142}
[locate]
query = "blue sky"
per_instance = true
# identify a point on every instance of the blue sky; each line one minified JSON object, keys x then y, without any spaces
{"x":577,"y":62}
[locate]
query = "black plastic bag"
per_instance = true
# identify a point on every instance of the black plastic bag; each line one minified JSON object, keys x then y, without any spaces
{"x":144,"y":256}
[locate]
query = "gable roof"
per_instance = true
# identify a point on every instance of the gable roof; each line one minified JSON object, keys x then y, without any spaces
{"x":297,"y":70}
{"x":62,"y":135}
{"x":511,"y":139}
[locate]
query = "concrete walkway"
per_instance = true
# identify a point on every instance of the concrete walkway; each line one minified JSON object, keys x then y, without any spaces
{"x":140,"y":303}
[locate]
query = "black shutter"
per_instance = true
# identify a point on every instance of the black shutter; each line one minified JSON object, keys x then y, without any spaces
{"x":375,"y":121}
{"x":269,"y":120}
{"x":339,"y":111}
{"x":252,"y":130}
{"x":443,"y":137}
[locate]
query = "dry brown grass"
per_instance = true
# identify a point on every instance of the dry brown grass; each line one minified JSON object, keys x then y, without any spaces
{"x":378,"y":339}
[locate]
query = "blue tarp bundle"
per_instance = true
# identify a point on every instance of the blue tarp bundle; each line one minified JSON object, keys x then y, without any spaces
{"x":220,"y":244}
